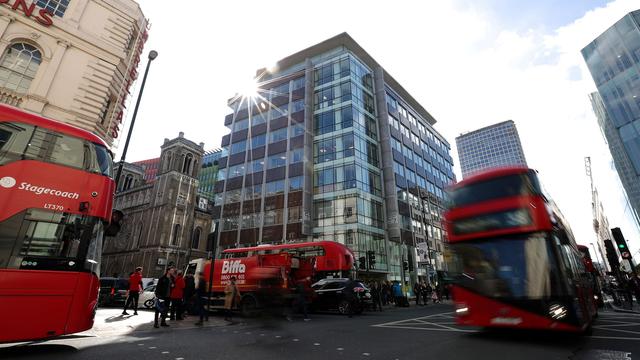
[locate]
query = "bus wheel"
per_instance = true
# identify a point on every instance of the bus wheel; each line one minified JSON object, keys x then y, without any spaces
{"x":249,"y":306}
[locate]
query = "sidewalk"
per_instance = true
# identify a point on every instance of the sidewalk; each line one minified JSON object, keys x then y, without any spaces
{"x":111,"y":322}
{"x":608,"y":303}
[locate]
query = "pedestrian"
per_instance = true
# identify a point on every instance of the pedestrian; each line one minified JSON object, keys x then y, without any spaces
{"x":135,"y":286}
{"x":384,"y":290}
{"x":177,"y":293}
{"x":434,"y":297}
{"x":417,"y":289}
{"x":199,"y":298}
{"x":300,"y":301}
{"x":163,"y":294}
{"x":376,"y":294}
{"x":424,"y":292}
{"x":397,"y":293}
{"x":351,"y":297}
{"x":189,"y":291}
{"x":231,"y":298}
{"x":429,"y":292}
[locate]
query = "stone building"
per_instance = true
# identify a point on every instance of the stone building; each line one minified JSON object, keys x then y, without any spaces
{"x":163,"y":223}
{"x":73,"y":61}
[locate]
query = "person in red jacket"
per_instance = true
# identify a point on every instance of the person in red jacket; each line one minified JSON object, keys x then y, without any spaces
{"x":135,"y":286}
{"x":177,"y":293}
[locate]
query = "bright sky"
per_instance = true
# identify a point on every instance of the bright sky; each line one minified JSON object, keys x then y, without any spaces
{"x":469,"y":63}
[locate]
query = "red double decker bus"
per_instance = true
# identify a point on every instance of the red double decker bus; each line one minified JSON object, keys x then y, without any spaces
{"x":56,"y":195}
{"x":513,"y":256}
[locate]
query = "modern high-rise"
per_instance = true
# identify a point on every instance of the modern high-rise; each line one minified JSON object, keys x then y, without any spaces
{"x":493,"y":146}
{"x":334,"y":148}
{"x":209,"y":174}
{"x":613,"y":59}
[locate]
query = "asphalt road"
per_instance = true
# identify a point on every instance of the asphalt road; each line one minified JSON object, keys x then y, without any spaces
{"x":415,"y":333}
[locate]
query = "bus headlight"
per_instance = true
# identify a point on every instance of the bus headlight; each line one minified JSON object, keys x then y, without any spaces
{"x":462,"y":309}
{"x":557,"y":311}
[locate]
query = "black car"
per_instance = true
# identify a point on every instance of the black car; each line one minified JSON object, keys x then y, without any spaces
{"x":330,"y":295}
{"x":113,"y":291}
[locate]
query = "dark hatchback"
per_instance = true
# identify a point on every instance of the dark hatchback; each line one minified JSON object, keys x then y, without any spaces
{"x":330,"y":295}
{"x":113,"y":291}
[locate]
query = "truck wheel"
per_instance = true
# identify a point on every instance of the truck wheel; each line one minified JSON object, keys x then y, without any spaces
{"x":343,"y":307}
{"x":249,"y":306}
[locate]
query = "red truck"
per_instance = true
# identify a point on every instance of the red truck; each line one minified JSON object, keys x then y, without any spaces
{"x":267,"y":274}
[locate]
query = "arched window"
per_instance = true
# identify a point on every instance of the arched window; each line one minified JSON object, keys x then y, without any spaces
{"x":18,"y":67}
{"x":176,"y":234}
{"x":128,"y":182}
{"x":167,"y":162}
{"x":186,"y":164}
{"x":194,"y":168}
{"x":195,"y":241}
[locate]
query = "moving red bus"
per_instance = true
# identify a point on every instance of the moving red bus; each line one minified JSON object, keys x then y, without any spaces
{"x":514,"y":259}
{"x":266,"y":272}
{"x":56,"y":194}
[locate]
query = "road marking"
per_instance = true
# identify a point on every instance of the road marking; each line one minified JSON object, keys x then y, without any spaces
{"x":179,"y":358}
{"x":365,"y":354}
{"x":618,"y":330}
{"x":614,"y":338}
{"x":340,"y":349}
{"x":278,"y":336}
{"x":425,"y":329}
{"x":296,"y":340}
{"x":165,"y":352}
{"x":152,"y":347}
{"x":316,"y":344}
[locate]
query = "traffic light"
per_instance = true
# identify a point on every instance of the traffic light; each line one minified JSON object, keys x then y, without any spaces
{"x":612,"y":255}
{"x":622,"y":243}
{"x":405,"y":265}
{"x":371,"y":256}
{"x":362,"y":262}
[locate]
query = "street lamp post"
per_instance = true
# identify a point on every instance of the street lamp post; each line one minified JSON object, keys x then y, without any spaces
{"x":152,"y":55}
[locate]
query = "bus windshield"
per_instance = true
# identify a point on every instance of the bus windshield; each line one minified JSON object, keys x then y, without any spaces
{"x":47,"y":240}
{"x":495,"y":188}
{"x":20,"y":141}
{"x":513,"y":267}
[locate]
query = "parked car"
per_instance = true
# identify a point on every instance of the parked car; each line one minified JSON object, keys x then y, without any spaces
{"x":113,"y":291}
{"x":147,"y":299}
{"x":330,"y":295}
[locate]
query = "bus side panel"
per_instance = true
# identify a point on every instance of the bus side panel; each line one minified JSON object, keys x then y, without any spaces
{"x":39,"y":303}
{"x":486,"y":312}
{"x":84,"y":305}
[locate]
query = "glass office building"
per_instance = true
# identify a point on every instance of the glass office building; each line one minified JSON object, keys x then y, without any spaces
{"x":333,"y":148}
{"x":613,"y":59}
{"x":493,"y":146}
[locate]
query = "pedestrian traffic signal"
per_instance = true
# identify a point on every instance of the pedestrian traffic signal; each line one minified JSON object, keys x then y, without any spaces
{"x":371,"y":257}
{"x":362,"y":262}
{"x":405,"y":265}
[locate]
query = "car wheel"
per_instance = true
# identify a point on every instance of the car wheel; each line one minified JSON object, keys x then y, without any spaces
{"x":343,"y":307}
{"x":149,"y":303}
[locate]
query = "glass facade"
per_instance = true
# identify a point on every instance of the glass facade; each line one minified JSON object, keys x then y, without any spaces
{"x":304,"y":161}
{"x":347,"y":180}
{"x":613,"y":59}
{"x":492,"y":146}
{"x":209,"y":174}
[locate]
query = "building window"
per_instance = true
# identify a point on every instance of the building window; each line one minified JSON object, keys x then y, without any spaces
{"x":195,"y":241}
{"x":19,"y":66}
{"x":186,"y":165}
{"x":57,"y":7}
{"x":176,"y":234}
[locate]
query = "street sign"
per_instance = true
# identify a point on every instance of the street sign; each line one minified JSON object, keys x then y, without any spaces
{"x":625,"y":266}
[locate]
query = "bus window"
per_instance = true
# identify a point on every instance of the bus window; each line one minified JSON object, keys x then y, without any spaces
{"x":191,"y":269}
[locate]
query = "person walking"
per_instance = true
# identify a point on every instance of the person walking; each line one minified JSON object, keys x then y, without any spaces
{"x":397,"y":293}
{"x":376,"y":294}
{"x":417,"y":289}
{"x":189,"y":291}
{"x":434,"y":297}
{"x":350,"y":296}
{"x":177,"y":293}
{"x":198,"y":301}
{"x":384,"y":290}
{"x":300,"y":301}
{"x":135,"y":286}
{"x":429,"y":291}
{"x":163,"y":294}
{"x":231,"y":298}
{"x":424,"y":293}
